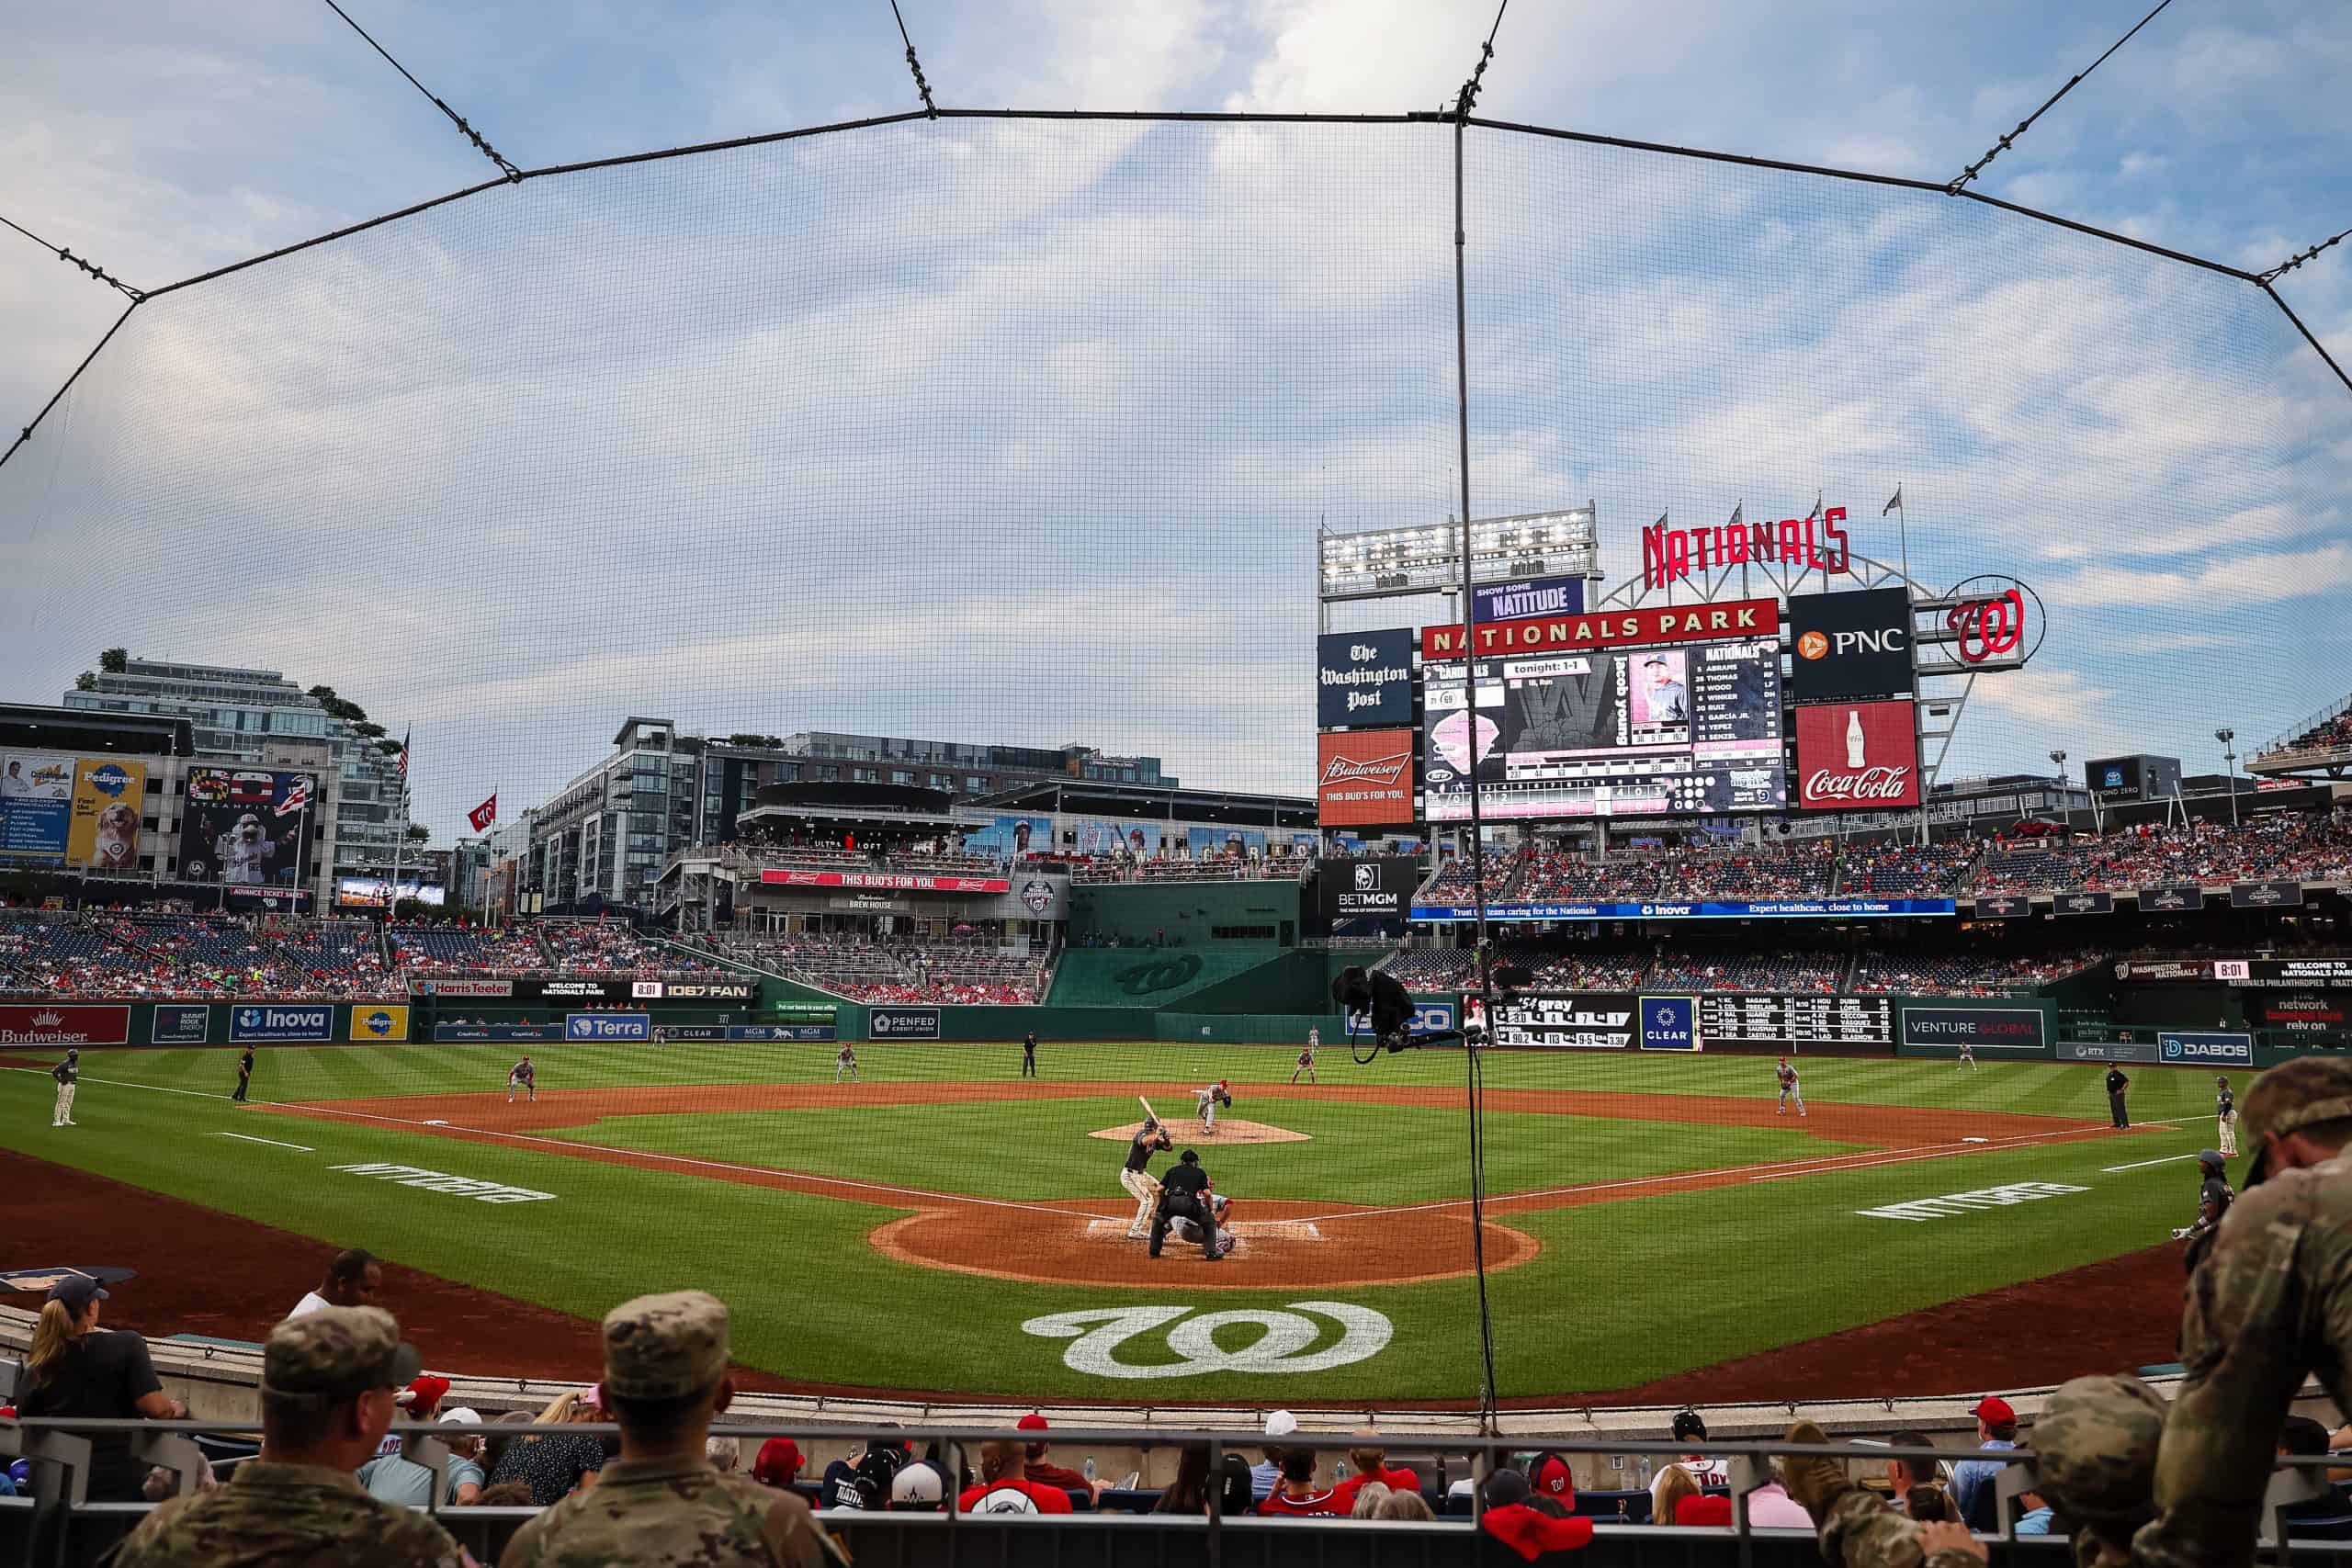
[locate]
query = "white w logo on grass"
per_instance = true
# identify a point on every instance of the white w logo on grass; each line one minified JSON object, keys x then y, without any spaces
{"x":1100,"y":1331}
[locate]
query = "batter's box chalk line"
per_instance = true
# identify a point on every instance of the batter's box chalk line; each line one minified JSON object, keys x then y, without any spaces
{"x":1265,"y":1230}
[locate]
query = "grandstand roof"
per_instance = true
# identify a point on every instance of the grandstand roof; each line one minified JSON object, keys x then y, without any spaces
{"x":75,"y":729}
{"x":1151,"y":804}
{"x":849,"y":805}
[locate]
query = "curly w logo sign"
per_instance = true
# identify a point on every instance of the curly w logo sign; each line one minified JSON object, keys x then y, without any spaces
{"x":1287,"y":1341}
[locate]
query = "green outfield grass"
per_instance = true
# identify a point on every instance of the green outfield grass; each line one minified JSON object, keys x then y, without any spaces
{"x":1623,"y":1291}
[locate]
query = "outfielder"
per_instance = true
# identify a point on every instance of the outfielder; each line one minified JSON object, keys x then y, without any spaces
{"x":1306,"y":1057}
{"x":1206,"y":1100}
{"x":1150,"y":1139}
{"x":845,"y":1063}
{"x":67,"y":1072}
{"x":524,"y":1076}
{"x":1789,"y":1089}
{"x":1967,"y":1057}
{"x":2225,"y":1106}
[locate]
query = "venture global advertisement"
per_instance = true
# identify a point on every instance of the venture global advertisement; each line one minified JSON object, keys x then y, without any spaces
{"x":1982,"y":1029}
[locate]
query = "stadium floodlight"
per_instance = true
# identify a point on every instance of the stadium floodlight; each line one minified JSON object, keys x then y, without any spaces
{"x":2229,"y":769}
{"x":1385,"y":561}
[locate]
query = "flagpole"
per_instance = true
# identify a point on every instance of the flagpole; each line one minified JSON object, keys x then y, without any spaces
{"x":1903,"y":522}
{"x":301,"y":864}
{"x":400,"y":843}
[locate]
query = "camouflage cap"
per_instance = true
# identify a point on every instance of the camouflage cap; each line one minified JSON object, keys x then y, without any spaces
{"x":665,"y":1347}
{"x":326,"y":1356}
{"x":2095,"y":1450}
{"x":2290,"y":1097}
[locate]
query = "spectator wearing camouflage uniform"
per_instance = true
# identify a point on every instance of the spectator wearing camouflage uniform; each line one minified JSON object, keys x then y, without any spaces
{"x":328,"y":1379}
{"x":662,"y":1505}
{"x":2095,"y":1453}
{"x":2269,"y":1302}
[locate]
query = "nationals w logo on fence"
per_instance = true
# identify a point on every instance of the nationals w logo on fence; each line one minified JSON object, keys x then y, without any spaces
{"x":1288,"y":1341}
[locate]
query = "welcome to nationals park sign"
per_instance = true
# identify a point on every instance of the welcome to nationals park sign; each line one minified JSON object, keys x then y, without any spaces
{"x":1609,"y":628}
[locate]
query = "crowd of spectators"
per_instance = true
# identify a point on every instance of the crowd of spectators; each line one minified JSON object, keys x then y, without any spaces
{"x":1720,"y":971}
{"x":1968,"y":973}
{"x":2331,"y":734}
{"x":466,"y":950}
{"x":871,"y":971}
{"x":1899,"y":869}
{"x":2302,"y":846}
{"x":1589,"y":967}
{"x":201,"y":956}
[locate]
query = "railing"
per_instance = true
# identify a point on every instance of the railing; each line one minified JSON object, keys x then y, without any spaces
{"x":59,"y":1524}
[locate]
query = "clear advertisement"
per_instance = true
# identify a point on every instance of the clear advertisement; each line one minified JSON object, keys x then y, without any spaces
{"x":108,"y":796}
{"x":1363,"y":678}
{"x":902,"y":1023}
{"x":379,"y":1020}
{"x":36,"y":805}
{"x":247,"y":828}
{"x":2202,"y":1047}
{"x":1527,"y":600}
{"x":1669,"y":1023}
{"x":66,"y":1025}
{"x":180,"y":1025}
{"x":1983,"y":1029}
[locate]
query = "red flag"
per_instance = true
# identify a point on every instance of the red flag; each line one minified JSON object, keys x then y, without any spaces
{"x":483,"y":816}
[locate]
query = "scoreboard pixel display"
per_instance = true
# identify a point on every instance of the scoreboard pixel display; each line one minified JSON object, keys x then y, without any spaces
{"x":1680,"y":730}
{"x":1783,"y":1021}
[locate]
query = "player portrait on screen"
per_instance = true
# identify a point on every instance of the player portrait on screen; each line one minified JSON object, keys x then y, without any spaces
{"x":1660,"y":697}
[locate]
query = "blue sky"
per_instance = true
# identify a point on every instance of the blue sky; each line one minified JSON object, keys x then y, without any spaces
{"x":1020,"y":433}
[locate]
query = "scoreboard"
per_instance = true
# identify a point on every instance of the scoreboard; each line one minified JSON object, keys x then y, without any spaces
{"x":1791,"y":1022}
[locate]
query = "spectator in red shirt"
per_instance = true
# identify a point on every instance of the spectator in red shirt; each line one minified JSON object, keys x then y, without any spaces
{"x":1046,"y":1475}
{"x":1525,"y":1530}
{"x":1297,"y":1493}
{"x":1372,"y":1466}
{"x":1680,"y":1502}
{"x":1003,"y":1489}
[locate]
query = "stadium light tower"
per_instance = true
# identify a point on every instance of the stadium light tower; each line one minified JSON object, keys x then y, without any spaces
{"x":2229,"y":768}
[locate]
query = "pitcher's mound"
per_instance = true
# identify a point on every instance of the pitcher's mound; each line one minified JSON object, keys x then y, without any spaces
{"x":1229,"y":1131}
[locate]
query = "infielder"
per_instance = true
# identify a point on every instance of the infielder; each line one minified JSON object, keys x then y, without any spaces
{"x":67,"y":1072}
{"x":1967,"y":1057}
{"x":2213,"y":1198}
{"x":524,"y":1076}
{"x":1206,"y":1100}
{"x":1306,"y":1057}
{"x":2225,"y":1106}
{"x":1789,"y":1089}
{"x":845,"y":1063}
{"x":1150,"y":1139}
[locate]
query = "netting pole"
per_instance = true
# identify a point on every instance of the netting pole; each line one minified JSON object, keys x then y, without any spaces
{"x":1473,"y":1089}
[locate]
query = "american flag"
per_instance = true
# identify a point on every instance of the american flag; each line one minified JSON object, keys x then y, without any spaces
{"x":403,"y":759}
{"x":298,"y":798}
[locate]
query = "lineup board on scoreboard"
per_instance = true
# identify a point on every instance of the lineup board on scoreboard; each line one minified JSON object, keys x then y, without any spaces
{"x":1753,"y":1019}
{"x":1682,"y":730}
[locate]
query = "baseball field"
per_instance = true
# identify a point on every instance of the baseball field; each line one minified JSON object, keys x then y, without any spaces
{"x":1655,"y":1228}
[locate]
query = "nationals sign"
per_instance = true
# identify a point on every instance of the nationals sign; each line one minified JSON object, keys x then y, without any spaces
{"x":1857,"y":757}
{"x":1363,"y":777}
{"x":1745,"y":618}
{"x":904,"y":882}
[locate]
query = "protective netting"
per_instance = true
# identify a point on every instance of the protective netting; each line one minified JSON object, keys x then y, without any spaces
{"x":1022,"y":432}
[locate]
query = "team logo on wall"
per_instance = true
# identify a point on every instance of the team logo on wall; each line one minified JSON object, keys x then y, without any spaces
{"x":1037,"y":897}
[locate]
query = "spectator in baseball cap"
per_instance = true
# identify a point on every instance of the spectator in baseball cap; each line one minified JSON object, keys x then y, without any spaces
{"x":778,"y":1463}
{"x":1046,"y":1475}
{"x":918,"y":1489}
{"x":661,"y":1502}
{"x":75,"y":1368}
{"x":1527,"y":1531}
{"x":327,"y":1384}
{"x":1265,"y":1476}
{"x":1996,"y":1427}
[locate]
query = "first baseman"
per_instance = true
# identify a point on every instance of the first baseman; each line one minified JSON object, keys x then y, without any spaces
{"x":1206,"y":1100}
{"x":1150,"y":1139}
{"x":1306,"y":1057}
{"x":1787,"y":1077}
{"x":2225,"y":1106}
{"x":67,"y":1072}
{"x":845,"y":1063}
{"x":522,"y":1076}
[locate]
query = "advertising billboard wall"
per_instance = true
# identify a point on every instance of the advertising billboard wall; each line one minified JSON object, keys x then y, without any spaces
{"x":1011,"y":836}
{"x":607,"y":1026}
{"x":308,"y":1023}
{"x":902,"y":1023}
{"x":1364,"y":778}
{"x":1857,"y":757}
{"x":36,"y":805}
{"x":64,"y":1025}
{"x":1528,"y":599}
{"x":247,"y":828}
{"x":1850,"y":647}
{"x":1374,"y":889}
{"x":2195,"y":1047}
{"x":1983,"y":1029}
{"x":108,"y":798}
{"x":375,"y":892}
{"x":1573,"y":1020}
{"x":1204,"y":842}
{"x":1364,"y":678}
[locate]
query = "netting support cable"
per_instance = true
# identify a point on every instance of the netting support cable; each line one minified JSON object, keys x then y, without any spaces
{"x":481,"y":145}
{"x":83,"y":263}
{"x":1472,"y":1069}
{"x":2309,"y":336}
{"x":2006,"y":142}
{"x":27,"y":432}
{"x":922,"y":88}
{"x":2264,"y":278}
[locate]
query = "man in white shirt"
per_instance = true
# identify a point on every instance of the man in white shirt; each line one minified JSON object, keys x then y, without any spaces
{"x":1706,"y":1472}
{"x":355,"y":1279}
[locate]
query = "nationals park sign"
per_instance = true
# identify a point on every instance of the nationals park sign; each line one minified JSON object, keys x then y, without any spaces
{"x":1609,"y":628}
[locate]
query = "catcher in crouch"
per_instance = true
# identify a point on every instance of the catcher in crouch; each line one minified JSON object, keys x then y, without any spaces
{"x":1185,"y":1196}
{"x":1206,"y":1100}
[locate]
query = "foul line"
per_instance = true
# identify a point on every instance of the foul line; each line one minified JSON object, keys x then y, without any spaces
{"x":273,"y":1142}
{"x":2143,"y":1165}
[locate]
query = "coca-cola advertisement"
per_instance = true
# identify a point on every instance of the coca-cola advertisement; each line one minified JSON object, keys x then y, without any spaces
{"x":1857,"y":757}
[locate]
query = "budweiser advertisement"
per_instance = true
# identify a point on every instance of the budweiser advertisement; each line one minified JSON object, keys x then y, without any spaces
{"x":1364,"y":778}
{"x":1857,"y":757}
{"x":65,"y":1025}
{"x":884,"y":881}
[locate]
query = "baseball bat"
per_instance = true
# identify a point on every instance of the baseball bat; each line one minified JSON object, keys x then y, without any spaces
{"x":1148,"y":1113}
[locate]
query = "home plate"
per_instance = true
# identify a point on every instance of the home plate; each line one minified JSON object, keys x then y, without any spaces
{"x":1247,"y":1230}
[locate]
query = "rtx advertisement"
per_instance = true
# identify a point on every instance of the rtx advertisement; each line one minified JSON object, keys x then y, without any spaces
{"x":1364,"y":778}
{"x":1851,"y":646}
{"x":1364,"y":678}
{"x":1857,"y":757}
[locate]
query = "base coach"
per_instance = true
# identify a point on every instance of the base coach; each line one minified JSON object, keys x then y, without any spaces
{"x":1184,"y":1195}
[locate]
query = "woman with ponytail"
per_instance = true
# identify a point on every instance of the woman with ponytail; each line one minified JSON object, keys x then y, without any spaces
{"x":76,"y":1368}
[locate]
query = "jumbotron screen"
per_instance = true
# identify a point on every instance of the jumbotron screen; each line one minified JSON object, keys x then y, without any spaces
{"x":1688,"y":729}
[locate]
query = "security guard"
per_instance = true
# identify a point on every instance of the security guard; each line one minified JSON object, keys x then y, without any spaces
{"x":2213,"y":1200}
{"x":1184,"y":1195}
{"x":327,"y":1384}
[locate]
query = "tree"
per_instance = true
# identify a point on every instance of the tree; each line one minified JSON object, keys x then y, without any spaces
{"x":370,"y":730}
{"x":115,"y":661}
{"x":418,"y":834}
{"x":86,"y":682}
{"x":389,"y":747}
